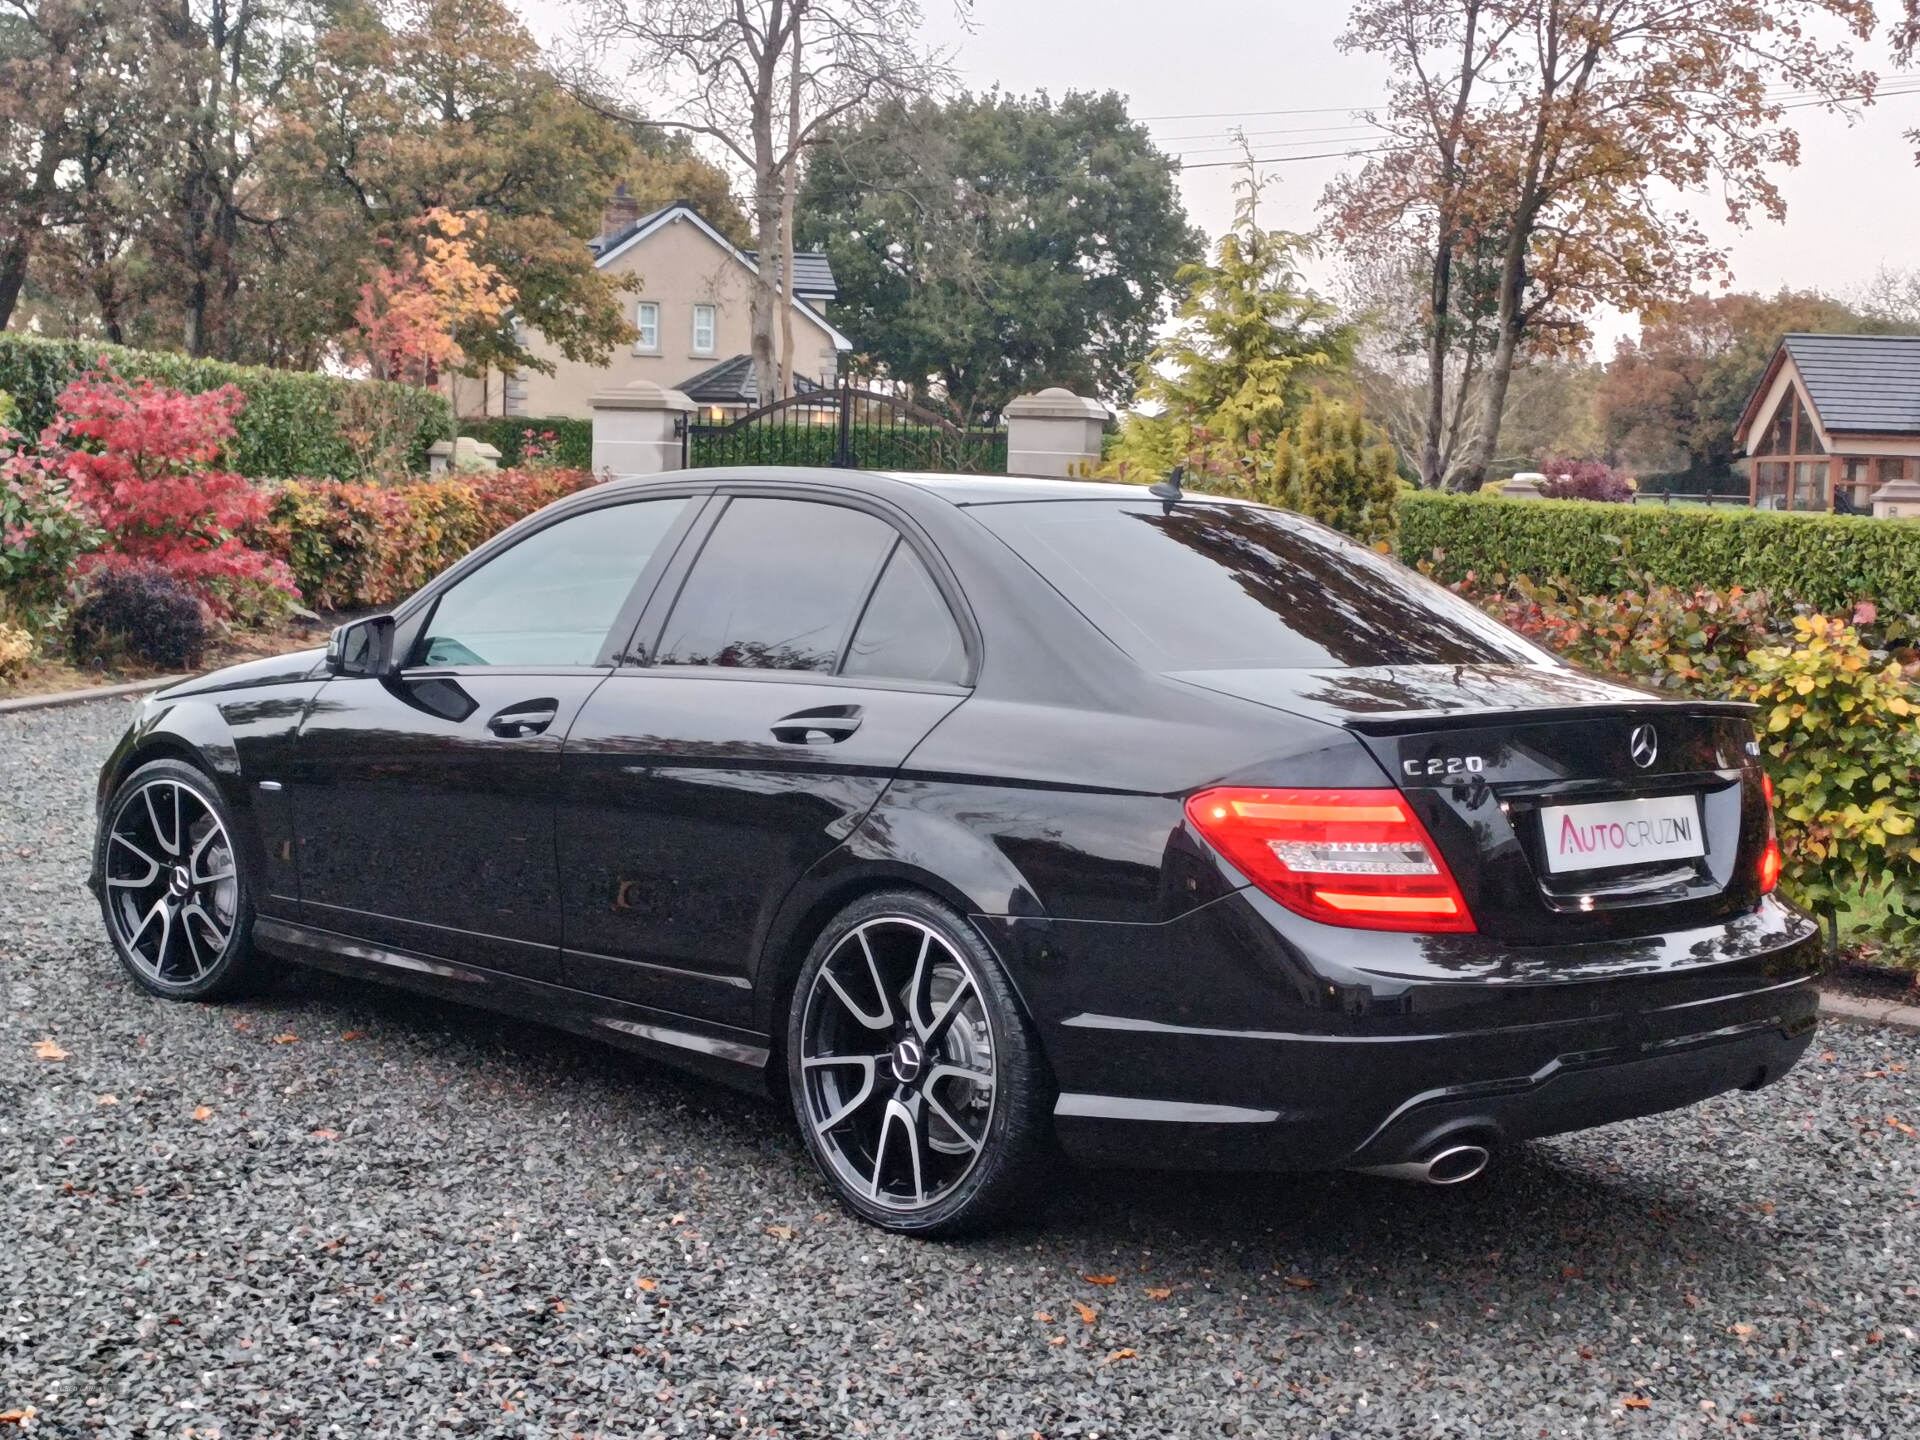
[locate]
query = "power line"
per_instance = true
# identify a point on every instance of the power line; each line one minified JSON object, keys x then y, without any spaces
{"x":1285,"y":159}
{"x":1785,"y":98}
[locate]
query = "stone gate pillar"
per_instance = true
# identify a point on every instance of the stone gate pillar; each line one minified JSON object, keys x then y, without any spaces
{"x":636,"y":429}
{"x":1053,"y":433}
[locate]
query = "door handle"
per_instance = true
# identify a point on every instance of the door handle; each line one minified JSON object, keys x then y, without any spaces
{"x":528,"y":718}
{"x":824,"y":725}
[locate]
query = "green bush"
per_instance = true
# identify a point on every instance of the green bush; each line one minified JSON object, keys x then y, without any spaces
{"x":1826,"y":561}
{"x":1837,"y":728}
{"x":1837,"y":704}
{"x":571,"y":447}
{"x":296,"y":422}
{"x":352,"y":547}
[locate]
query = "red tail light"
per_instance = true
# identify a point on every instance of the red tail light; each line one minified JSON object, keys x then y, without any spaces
{"x":1358,"y":858}
{"x":1769,"y":857}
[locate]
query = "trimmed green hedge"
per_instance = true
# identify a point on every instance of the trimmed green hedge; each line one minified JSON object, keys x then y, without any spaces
{"x":1828,"y":561}
{"x":875,"y":447}
{"x":296,"y":422}
{"x":571,"y":447}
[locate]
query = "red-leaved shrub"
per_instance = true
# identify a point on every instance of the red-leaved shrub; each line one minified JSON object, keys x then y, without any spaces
{"x":1582,"y":480}
{"x":144,"y":460}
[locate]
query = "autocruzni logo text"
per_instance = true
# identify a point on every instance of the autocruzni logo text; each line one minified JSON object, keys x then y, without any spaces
{"x":1623,"y":837}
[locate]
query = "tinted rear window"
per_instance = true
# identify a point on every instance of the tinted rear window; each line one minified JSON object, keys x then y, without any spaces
{"x":1236,"y":587}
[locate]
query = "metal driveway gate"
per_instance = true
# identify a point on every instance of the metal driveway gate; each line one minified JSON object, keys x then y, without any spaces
{"x":849,"y":429}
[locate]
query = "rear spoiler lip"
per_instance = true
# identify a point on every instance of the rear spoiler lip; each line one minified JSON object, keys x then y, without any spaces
{"x":1414,"y":722}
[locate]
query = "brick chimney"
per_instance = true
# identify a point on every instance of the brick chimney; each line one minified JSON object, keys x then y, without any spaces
{"x":622,"y":210}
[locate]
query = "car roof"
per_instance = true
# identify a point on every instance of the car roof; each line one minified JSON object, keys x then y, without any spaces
{"x":954,"y":489}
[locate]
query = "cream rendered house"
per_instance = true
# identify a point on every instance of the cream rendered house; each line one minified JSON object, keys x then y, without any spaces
{"x":692,"y":312}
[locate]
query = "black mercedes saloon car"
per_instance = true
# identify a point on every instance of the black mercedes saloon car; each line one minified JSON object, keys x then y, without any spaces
{"x":985,"y":819}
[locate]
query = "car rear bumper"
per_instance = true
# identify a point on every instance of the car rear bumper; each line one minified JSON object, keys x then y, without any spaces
{"x":1386,"y":1064}
{"x":1370,"y":1105}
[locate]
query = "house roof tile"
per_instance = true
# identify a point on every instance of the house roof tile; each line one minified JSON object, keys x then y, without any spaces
{"x":731,"y":383}
{"x":1861,"y":383}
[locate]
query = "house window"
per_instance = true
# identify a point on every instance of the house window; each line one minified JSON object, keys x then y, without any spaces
{"x":703,"y":327}
{"x":646,"y":319}
{"x":1798,"y":480}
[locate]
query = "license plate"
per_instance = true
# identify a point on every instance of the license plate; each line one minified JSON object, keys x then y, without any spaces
{"x":1621,"y":832}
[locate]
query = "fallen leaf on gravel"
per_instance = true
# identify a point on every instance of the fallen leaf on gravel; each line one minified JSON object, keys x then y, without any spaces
{"x":1118,"y":1355}
{"x":243,"y":1023}
{"x":1100,"y":1279}
{"x":1741,"y":1330}
{"x":647,"y":1284}
{"x":1693,"y":1300}
{"x":286,"y":1038}
{"x":1636,"y":1402}
{"x":353,"y":1035}
{"x":1043,"y":1317}
{"x":1159,"y":1292}
{"x":1826,"y":1057}
{"x":326,"y":1134}
{"x":781,"y":1232}
{"x":1873,"y":1337}
{"x":106,"y":1099}
{"x":17,"y":1417}
{"x":1901,"y":1125}
{"x":203,"y":1112}
{"x":1058,"y":1340}
{"x":49,"y":1050}
{"x":1301,"y":1282}
{"x":1087,"y":1313}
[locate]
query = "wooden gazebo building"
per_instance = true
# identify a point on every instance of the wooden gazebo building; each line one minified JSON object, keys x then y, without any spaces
{"x":1834,"y":424}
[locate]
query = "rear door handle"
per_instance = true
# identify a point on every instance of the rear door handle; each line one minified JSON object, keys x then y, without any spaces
{"x":824,"y":725}
{"x":530,"y":717}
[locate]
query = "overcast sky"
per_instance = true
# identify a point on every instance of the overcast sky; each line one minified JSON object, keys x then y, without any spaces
{"x":1196,"y":68}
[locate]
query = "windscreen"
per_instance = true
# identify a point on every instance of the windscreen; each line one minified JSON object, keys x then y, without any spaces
{"x":1236,"y":587}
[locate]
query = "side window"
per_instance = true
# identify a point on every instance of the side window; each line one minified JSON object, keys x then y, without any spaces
{"x":551,"y":598}
{"x":907,"y":632}
{"x":777,"y":587}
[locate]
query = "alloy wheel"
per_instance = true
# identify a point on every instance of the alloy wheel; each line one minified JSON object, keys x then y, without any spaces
{"x":172,"y":885}
{"x":898,"y":1064}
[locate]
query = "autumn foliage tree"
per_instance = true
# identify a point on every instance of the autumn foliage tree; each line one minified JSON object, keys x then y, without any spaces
{"x":414,"y":307}
{"x":1535,"y":145}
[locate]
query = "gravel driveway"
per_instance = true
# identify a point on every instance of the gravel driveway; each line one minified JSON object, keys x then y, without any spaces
{"x":345,"y":1211}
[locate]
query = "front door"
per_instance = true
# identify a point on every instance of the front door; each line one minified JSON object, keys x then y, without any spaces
{"x":424,"y":802}
{"x":808,"y":652}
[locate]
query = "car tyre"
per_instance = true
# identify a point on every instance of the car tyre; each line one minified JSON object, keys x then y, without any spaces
{"x":174,"y":885}
{"x":915,"y":1076}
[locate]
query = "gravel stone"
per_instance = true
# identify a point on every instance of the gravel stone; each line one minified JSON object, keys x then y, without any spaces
{"x":340,"y":1210}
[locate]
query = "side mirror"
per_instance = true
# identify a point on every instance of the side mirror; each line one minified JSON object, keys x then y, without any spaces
{"x":362,"y":648}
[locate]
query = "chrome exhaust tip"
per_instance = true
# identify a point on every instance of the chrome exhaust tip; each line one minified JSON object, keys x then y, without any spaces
{"x":1454,"y":1165}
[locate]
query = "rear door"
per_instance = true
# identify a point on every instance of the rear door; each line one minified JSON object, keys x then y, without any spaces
{"x":789,"y":669}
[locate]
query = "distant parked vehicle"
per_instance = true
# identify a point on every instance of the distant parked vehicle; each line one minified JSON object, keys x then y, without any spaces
{"x":975,"y":813}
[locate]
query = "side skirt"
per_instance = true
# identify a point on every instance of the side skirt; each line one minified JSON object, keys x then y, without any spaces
{"x":735,"y":1057}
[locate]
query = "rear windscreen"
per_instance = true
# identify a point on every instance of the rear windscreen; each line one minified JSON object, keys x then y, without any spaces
{"x":1235,"y":587}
